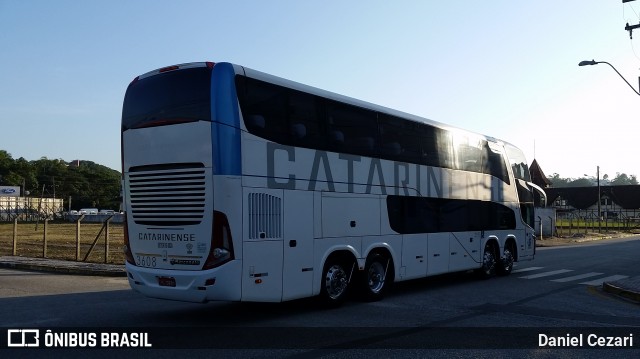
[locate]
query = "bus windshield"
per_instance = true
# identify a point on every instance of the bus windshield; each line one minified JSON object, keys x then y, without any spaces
{"x":167,"y":98}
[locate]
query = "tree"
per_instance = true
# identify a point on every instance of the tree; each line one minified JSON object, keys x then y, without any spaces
{"x":622,"y":179}
{"x":557,"y":181}
{"x":581,"y":182}
{"x":89,"y":185}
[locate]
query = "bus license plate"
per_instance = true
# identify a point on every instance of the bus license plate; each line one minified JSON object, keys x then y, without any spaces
{"x":167,"y":281}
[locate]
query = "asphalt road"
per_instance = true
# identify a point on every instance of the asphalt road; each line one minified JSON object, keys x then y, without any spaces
{"x":559,"y":293}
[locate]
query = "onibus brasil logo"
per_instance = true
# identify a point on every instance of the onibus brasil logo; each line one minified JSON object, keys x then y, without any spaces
{"x":31,"y":338}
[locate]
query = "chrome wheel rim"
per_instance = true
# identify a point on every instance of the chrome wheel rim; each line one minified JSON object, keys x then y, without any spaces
{"x":335,"y":281}
{"x":376,"y":277}
{"x":508,"y":260}
{"x":489,"y":261}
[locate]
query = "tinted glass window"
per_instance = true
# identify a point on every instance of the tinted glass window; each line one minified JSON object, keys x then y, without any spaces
{"x":168,"y":98}
{"x":305,"y":128}
{"x":494,"y":164}
{"x":352,"y":129}
{"x":476,"y":154}
{"x":526,"y":203}
{"x":413,"y":214}
{"x":264,"y":108}
{"x":409,"y":215}
{"x":469,"y":150}
{"x":408,"y":141}
{"x":300,"y":119}
{"x":518,"y":163}
{"x":280,"y":114}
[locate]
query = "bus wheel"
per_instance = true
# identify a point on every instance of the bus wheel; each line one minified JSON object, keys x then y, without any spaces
{"x":376,"y":278}
{"x":489,"y":262}
{"x":506,"y":262}
{"x":335,"y":281}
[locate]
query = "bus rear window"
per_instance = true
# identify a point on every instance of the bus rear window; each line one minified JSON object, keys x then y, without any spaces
{"x":168,"y":98}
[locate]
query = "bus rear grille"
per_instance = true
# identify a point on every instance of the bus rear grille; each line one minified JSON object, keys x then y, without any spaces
{"x":167,"y":195}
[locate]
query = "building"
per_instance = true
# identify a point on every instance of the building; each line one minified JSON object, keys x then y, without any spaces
{"x":615,"y":201}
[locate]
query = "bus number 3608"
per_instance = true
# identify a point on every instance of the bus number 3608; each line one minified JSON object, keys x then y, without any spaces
{"x":146,"y":261}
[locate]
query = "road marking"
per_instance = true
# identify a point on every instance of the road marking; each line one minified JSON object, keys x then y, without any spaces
{"x":526,"y":269}
{"x":606,"y":279}
{"x":595,"y":282}
{"x":547,"y":274}
{"x":576,"y":277}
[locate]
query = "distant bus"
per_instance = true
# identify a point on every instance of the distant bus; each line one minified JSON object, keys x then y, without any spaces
{"x":242,"y":186}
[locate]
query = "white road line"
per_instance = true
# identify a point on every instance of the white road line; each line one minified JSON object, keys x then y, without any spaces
{"x":526,"y":269}
{"x":576,"y":277}
{"x":605,"y":279}
{"x":547,"y":274}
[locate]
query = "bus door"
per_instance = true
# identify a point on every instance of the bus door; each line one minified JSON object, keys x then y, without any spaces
{"x":464,"y":250}
{"x":437,"y":253}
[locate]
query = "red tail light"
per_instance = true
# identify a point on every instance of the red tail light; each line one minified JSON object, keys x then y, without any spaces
{"x":168,"y":68}
{"x":127,"y":248}
{"x":221,"y":250}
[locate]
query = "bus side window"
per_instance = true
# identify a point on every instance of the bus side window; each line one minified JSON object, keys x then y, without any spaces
{"x":298,"y":131}
{"x":264,"y":107}
{"x":357,"y":128}
{"x":302,"y":115}
{"x":493,"y":164}
{"x":255,"y":124}
{"x":336,"y":140}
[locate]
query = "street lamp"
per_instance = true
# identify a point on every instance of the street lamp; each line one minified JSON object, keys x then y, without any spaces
{"x":593,"y":62}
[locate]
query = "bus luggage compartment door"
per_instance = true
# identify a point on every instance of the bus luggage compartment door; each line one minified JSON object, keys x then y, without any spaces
{"x":262,"y":271}
{"x":262,"y":245}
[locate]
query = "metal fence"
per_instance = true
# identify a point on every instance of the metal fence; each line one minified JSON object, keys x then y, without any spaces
{"x":76,"y":241}
{"x":584,"y":221}
{"x":30,"y":208}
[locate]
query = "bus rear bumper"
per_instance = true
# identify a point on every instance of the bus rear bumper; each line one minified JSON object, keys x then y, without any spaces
{"x":222,"y":283}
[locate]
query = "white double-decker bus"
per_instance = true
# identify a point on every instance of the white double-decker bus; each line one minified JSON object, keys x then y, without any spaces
{"x":242,"y":186}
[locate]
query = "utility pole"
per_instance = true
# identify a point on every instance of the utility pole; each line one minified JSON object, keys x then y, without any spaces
{"x":628,"y":27}
{"x":599,"y":209}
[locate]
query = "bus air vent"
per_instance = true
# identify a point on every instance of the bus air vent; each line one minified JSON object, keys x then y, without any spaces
{"x":265,"y":216}
{"x":167,"y":194}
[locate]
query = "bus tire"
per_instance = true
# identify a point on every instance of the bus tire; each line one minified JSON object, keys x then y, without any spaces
{"x":506,"y":262}
{"x":335,"y":281}
{"x":489,"y":262}
{"x":376,"y":277}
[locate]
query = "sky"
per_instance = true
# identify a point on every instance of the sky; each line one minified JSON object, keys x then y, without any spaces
{"x":507,"y":69}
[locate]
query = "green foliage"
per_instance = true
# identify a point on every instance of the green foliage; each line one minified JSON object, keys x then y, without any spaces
{"x":621,"y":179}
{"x":88,"y":185}
{"x":557,"y":181}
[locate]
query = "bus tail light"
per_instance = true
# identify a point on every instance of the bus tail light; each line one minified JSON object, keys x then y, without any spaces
{"x":221,"y":243}
{"x":168,"y":68}
{"x":127,"y":248}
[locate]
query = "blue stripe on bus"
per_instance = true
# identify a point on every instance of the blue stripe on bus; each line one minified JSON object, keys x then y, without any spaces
{"x":226,"y":121}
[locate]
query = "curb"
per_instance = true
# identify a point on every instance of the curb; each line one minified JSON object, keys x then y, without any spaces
{"x":620,"y":291}
{"x":63,"y":267}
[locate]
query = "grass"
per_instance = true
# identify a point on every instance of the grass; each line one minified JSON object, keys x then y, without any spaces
{"x":61,"y":241}
{"x":593,"y":224}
